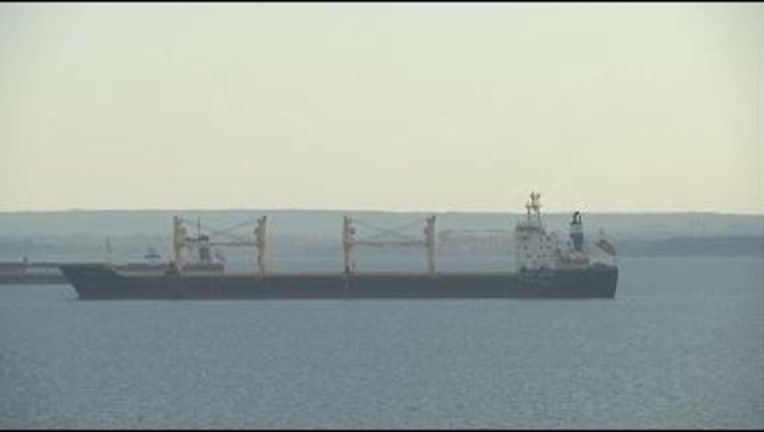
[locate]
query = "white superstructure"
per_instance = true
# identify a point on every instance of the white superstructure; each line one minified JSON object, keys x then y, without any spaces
{"x":535,"y":249}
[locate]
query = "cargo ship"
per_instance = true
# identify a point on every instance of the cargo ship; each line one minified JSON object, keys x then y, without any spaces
{"x":545,"y":267}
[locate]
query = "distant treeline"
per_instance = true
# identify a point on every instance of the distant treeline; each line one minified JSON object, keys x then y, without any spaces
{"x":133,"y":248}
{"x":695,"y":246}
{"x":113,"y":223}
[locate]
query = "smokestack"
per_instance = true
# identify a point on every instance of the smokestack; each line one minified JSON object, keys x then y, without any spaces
{"x":577,"y":232}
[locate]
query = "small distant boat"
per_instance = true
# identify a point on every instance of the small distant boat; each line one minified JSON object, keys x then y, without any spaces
{"x":44,"y":273}
{"x":25,"y":272}
{"x":545,"y":268}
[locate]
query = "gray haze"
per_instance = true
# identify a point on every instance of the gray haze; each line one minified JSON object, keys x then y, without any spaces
{"x":310,"y":240}
{"x":449,"y":107}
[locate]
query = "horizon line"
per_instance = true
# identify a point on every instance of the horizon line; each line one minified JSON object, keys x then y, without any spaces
{"x":378,"y":210}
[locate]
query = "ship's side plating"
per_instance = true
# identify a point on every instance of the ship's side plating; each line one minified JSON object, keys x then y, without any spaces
{"x":98,"y":281}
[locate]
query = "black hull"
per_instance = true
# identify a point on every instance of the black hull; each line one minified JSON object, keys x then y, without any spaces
{"x":100,"y":282}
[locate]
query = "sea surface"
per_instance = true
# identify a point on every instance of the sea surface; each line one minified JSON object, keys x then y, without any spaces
{"x":681,"y":346}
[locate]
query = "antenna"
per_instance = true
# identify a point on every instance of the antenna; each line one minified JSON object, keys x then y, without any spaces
{"x":260,"y":244}
{"x":429,"y":233}
{"x":347,"y":243}
{"x":108,"y":250}
{"x":178,"y":242}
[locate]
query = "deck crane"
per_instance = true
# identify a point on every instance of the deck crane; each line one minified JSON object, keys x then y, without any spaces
{"x":349,"y":242}
{"x":202,"y":243}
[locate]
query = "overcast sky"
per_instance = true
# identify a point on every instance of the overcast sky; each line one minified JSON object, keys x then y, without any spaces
{"x":464,"y":107}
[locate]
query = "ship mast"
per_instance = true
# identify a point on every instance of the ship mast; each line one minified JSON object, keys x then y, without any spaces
{"x":429,"y":234}
{"x":533,"y":247}
{"x":178,"y":241}
{"x":348,"y":231}
{"x":260,"y":232}
{"x":349,"y":242}
{"x":181,"y":240}
{"x":108,"y":250}
{"x":534,"y":207}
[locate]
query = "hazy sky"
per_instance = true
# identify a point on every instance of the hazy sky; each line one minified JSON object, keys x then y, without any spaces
{"x":600,"y":107}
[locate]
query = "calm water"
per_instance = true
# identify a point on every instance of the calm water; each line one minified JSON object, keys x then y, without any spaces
{"x":682,"y":346}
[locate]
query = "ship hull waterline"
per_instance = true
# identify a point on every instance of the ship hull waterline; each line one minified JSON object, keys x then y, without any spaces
{"x":101,"y":282}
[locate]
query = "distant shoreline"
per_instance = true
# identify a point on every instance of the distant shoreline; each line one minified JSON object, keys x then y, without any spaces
{"x":696,"y":246}
{"x":82,"y":236}
{"x":132,"y":248}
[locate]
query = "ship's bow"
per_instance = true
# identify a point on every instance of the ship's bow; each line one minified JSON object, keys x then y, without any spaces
{"x":92,"y":281}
